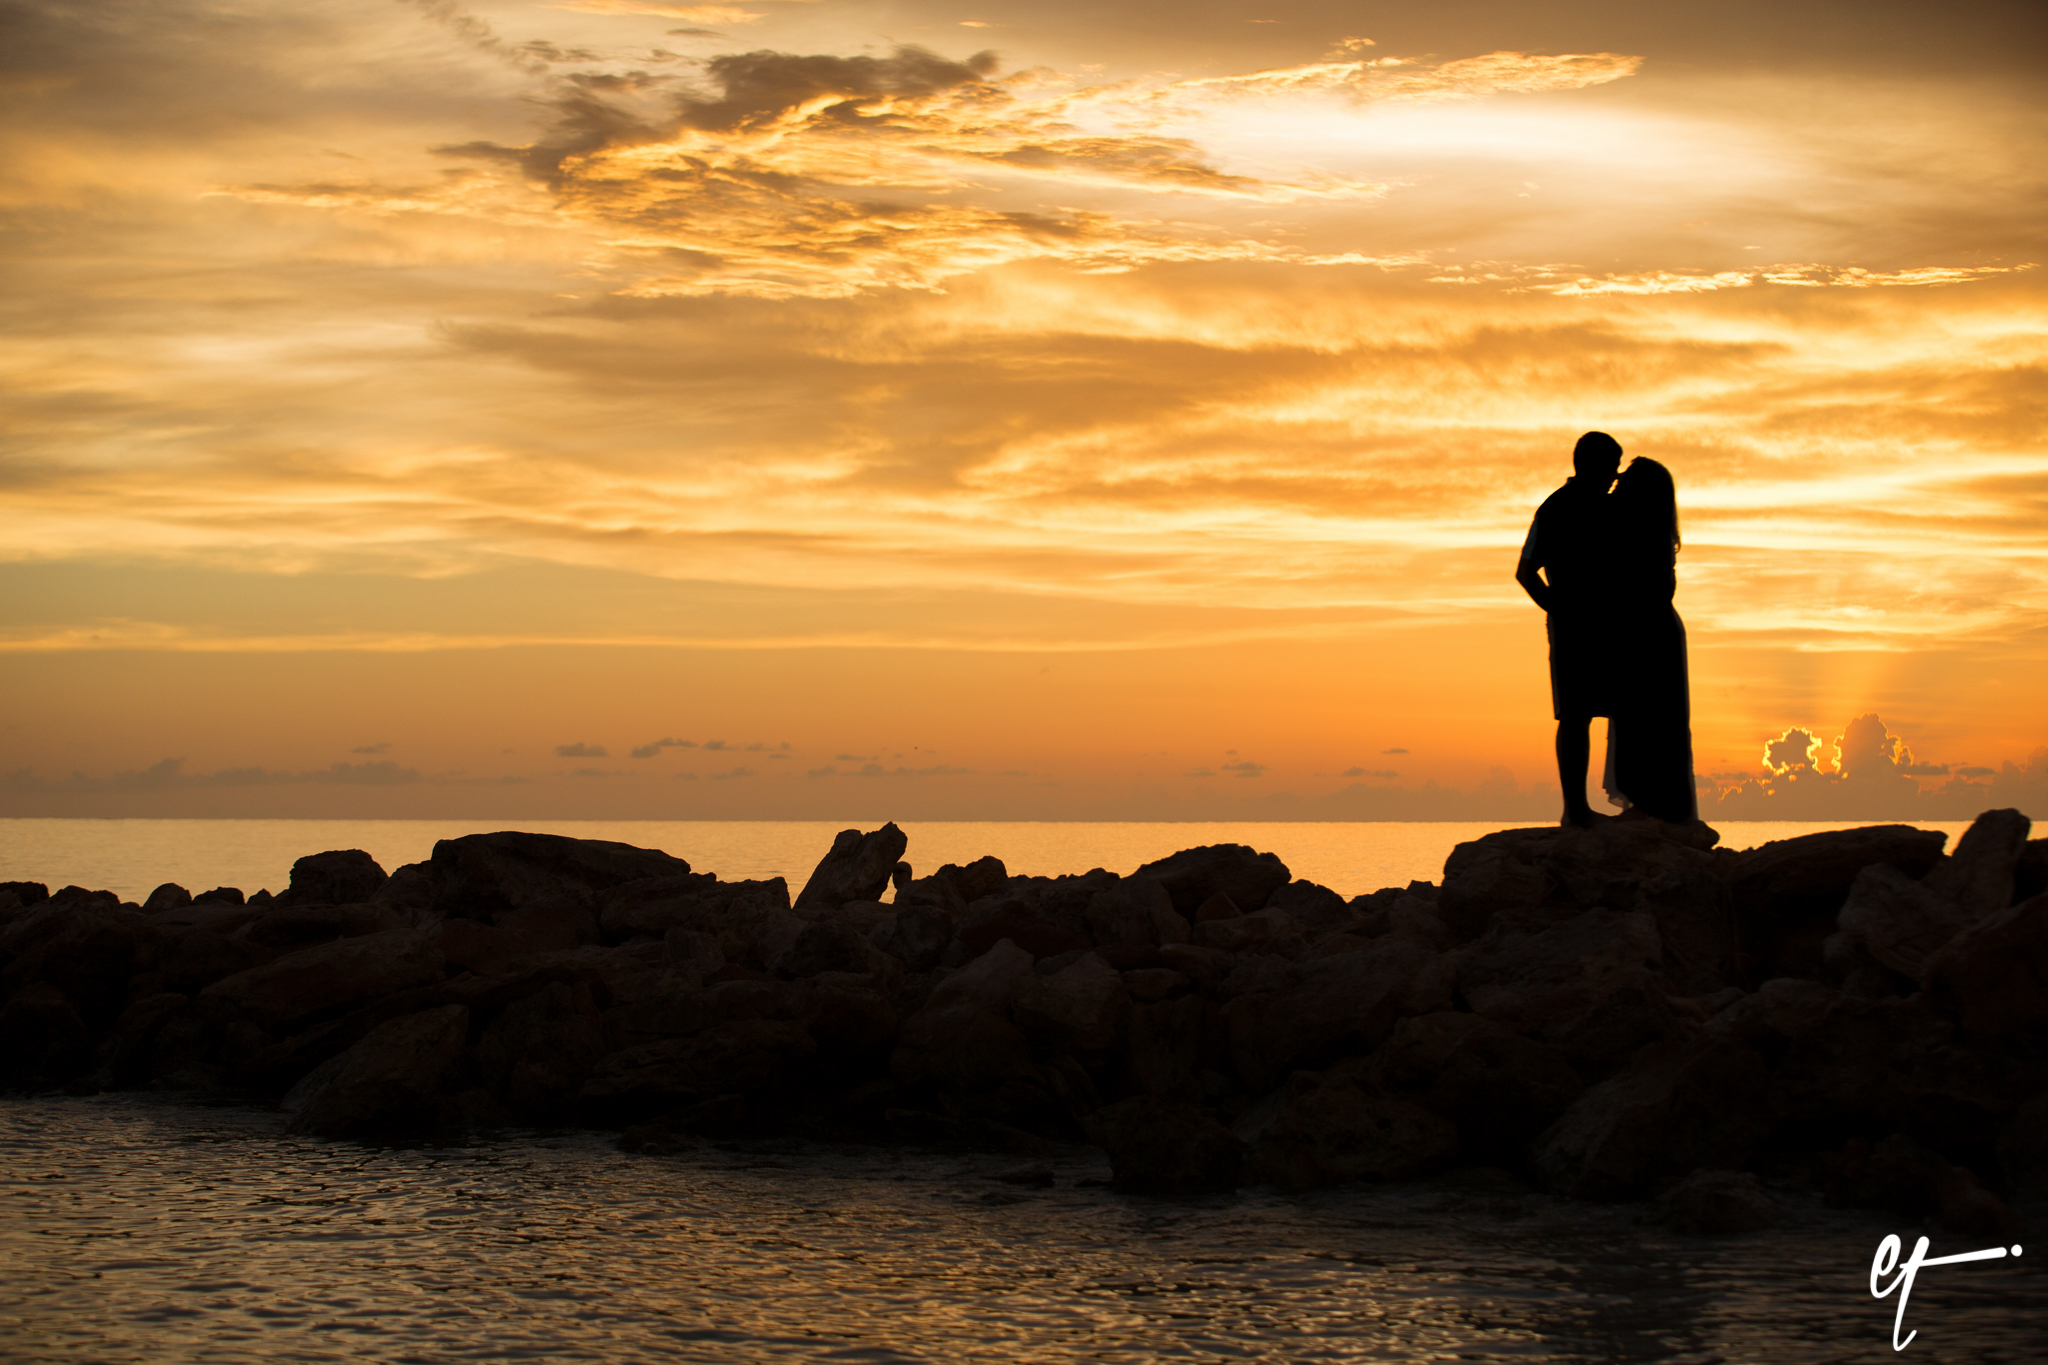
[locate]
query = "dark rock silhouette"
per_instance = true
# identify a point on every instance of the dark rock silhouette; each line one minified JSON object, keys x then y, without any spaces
{"x":1615,"y":1012}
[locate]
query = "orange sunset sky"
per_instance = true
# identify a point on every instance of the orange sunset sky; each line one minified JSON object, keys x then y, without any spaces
{"x":925,"y":410}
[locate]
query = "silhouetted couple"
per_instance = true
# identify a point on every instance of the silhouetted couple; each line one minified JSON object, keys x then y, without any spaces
{"x":1608,"y":571}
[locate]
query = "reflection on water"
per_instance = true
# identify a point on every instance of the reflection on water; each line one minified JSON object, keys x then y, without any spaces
{"x":136,"y":1229}
{"x":131,"y":857}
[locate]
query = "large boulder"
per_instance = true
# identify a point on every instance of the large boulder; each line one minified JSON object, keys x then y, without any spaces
{"x":1677,"y":1107}
{"x":1134,"y":912}
{"x":389,"y":1083}
{"x":1499,"y":1088}
{"x":1900,"y":922}
{"x":857,"y":868}
{"x":314,"y":980}
{"x":953,"y":887}
{"x":1528,"y":878}
{"x":1788,"y":892}
{"x":89,"y":946}
{"x":1327,"y":1129}
{"x":536,"y":1056}
{"x":1193,"y":875}
{"x":1079,"y":1008}
{"x":1995,"y":972}
{"x":1332,"y":1007}
{"x":1159,"y":1146}
{"x":308,"y":922}
{"x":48,"y":1043}
{"x":483,"y":876}
{"x":1979,"y":876}
{"x":735,"y":1057}
{"x":1041,"y":924}
{"x":1716,"y":1202}
{"x":339,"y":877}
{"x":963,"y":1036}
{"x":1316,"y":909}
{"x":1539,"y":983}
{"x":752,"y":919}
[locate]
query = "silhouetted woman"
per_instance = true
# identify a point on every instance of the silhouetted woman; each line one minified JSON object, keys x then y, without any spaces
{"x":1651,"y":734}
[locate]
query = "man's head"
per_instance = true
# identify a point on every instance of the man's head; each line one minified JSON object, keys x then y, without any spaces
{"x":1596,"y":458}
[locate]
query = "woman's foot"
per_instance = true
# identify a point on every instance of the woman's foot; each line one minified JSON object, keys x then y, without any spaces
{"x":1583,"y":817}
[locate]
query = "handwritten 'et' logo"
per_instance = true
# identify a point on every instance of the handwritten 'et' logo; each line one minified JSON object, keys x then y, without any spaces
{"x":1887,"y":1260}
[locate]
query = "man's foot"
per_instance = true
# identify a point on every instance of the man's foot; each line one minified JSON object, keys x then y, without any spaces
{"x":1585,"y":817}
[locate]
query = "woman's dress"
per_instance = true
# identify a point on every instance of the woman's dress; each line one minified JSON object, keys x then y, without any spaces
{"x":1650,"y":735}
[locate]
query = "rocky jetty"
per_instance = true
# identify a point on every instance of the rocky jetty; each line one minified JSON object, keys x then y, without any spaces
{"x":1625,"y":1012}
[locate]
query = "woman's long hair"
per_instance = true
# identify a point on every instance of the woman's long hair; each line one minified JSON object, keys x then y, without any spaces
{"x":1649,"y":501}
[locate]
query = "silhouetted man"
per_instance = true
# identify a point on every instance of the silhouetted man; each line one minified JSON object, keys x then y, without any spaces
{"x":1561,"y":568}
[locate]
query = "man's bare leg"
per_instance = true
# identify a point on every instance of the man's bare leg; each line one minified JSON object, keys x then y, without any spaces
{"x":1574,"y":747}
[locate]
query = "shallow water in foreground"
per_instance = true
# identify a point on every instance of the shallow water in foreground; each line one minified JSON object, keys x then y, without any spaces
{"x":135,"y":1228}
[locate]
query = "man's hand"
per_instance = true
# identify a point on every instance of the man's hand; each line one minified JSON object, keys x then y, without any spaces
{"x":1532,"y":583}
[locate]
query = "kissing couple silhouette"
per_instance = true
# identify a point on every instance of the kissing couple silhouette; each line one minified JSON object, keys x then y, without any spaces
{"x":1604,"y":567}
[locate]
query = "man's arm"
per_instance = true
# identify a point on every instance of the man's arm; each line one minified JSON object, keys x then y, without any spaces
{"x":1526,"y":570}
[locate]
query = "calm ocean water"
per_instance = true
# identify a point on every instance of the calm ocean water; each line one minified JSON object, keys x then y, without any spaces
{"x":133,"y":856}
{"x":135,"y":1229}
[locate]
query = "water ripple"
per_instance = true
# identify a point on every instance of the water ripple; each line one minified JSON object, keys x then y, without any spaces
{"x":136,"y":1229}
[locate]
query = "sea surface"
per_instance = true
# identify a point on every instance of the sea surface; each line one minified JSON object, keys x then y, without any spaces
{"x":131,"y":857}
{"x":137,"y":1228}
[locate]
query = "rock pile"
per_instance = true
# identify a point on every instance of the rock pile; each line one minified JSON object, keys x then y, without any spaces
{"x":1618,"y":1013}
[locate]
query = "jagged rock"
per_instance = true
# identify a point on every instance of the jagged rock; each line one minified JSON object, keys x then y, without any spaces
{"x":1039,"y":925}
{"x":963,"y":1036}
{"x":316,"y":922}
{"x":1162,"y":1047}
{"x":1136,"y":912}
{"x":829,"y":945}
{"x":537,"y":1055}
{"x":340,"y":877}
{"x":221,"y":895}
{"x":1978,"y":877}
{"x":1677,"y":1107}
{"x":2030,"y":873}
{"x":1600,"y":1042}
{"x":1205,"y":967}
{"x":1193,"y":875}
{"x":1333,"y":1006}
{"x":25,"y":893}
{"x":1314,"y":909}
{"x":88,"y":946}
{"x":315,"y":979}
{"x":126,"y":1054}
{"x":660,"y":1077}
{"x":1146,"y":985}
{"x":1498,"y":874}
{"x":1158,"y":1146}
{"x":389,"y":1082}
{"x":849,"y":1017}
{"x":856,"y":869}
{"x":1526,"y":878}
{"x":483,"y":876}
{"x":1078,"y":1009}
{"x":1787,"y":893}
{"x":1262,"y":931}
{"x":1996,"y":970}
{"x":1716,"y":1202}
{"x":1499,"y":1088}
{"x":1416,"y":919}
{"x":48,"y":1042}
{"x":195,"y":958}
{"x":953,"y":888}
{"x":916,"y":935}
{"x":1327,"y":1129}
{"x":169,"y":896}
{"x":1538,"y":983}
{"x":1218,"y":906}
{"x":1900,"y":922}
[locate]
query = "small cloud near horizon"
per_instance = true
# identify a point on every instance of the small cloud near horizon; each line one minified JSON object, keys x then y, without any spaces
{"x":581,"y":750}
{"x":649,"y":750}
